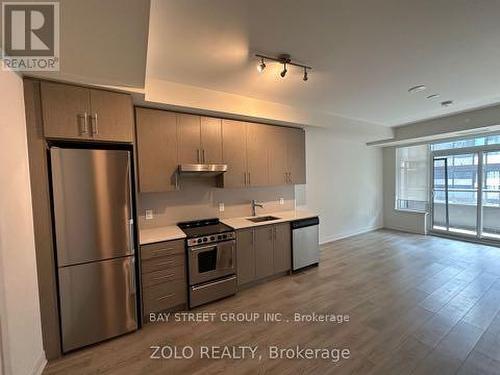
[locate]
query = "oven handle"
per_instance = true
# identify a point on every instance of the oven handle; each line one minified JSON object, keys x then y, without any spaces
{"x":212,"y":283}
{"x":211,"y":246}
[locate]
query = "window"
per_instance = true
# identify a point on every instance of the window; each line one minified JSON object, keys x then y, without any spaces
{"x":412,"y":178}
{"x":469,"y":142}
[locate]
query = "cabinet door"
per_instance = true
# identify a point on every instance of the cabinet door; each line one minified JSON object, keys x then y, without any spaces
{"x":245,"y":256}
{"x":112,"y":117}
{"x":278,"y":155}
{"x":65,"y":111}
{"x":156,"y":150}
{"x":282,"y":248}
{"x":234,"y":153}
{"x":257,"y":155}
{"x":211,"y":140}
{"x":264,"y":257}
{"x":189,"y":139}
{"x":296,"y":156}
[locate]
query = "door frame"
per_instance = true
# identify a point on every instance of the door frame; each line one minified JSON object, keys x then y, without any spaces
{"x":443,"y":154}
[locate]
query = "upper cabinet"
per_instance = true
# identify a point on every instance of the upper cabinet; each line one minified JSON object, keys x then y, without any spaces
{"x":245,"y":151}
{"x":200,"y":139}
{"x":211,"y":140}
{"x":287,"y":156}
{"x":156,"y":150}
{"x":296,"y":156}
{"x":72,"y":112}
{"x":234,"y":145}
{"x":255,"y":154}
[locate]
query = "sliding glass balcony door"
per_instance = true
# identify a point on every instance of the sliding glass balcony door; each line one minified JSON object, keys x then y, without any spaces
{"x":455,"y":193}
{"x":466,"y":193}
{"x":491,"y":195}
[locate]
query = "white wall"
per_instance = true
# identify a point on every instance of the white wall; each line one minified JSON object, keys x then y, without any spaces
{"x":344,"y":184}
{"x":407,"y":221}
{"x":21,"y":336}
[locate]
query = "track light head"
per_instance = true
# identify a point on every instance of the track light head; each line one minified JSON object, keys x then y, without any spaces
{"x":261,"y":66}
{"x":284,"y":71}
{"x":305,"y":75}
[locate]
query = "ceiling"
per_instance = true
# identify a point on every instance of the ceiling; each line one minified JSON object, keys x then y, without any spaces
{"x":365,"y":55}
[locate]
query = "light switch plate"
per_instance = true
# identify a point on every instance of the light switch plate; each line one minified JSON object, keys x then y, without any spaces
{"x":282,"y":201}
{"x":221,"y":207}
{"x":149,"y":214}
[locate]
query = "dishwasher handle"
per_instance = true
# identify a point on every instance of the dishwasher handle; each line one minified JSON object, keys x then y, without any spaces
{"x":297,"y":224}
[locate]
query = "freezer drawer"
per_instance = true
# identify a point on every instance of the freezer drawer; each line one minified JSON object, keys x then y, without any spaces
{"x":92,"y":204}
{"x":98,"y":301}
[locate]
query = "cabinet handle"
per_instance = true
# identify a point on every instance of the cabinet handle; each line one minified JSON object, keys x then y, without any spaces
{"x":271,"y":233}
{"x":94,"y":125}
{"x":203,"y":155}
{"x":249,"y":179}
{"x":245,"y":178}
{"x":198,"y":155}
{"x":286,"y":178}
{"x":289,"y":177}
{"x":82,"y":125}
{"x":275,"y":233}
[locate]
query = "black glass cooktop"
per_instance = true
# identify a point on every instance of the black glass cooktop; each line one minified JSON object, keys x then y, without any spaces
{"x":206,"y":227}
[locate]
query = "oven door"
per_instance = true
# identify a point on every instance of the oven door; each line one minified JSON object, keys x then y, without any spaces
{"x":211,"y":262}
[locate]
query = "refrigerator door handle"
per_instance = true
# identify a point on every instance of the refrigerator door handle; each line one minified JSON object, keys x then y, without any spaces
{"x":131,"y":242}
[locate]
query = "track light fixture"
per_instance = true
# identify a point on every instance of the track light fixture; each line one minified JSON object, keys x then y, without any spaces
{"x":284,"y":59}
{"x":261,"y":66}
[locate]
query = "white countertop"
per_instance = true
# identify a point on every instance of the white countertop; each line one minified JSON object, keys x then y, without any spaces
{"x":284,"y":216}
{"x":173,"y":232}
{"x":160,"y":234}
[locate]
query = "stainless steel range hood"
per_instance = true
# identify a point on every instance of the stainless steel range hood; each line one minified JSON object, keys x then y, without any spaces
{"x":202,"y":170}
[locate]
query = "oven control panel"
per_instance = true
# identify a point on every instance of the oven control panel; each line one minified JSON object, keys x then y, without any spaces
{"x":211,"y":238}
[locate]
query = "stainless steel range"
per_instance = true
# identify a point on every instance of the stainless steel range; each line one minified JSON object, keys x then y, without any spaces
{"x":211,"y":252}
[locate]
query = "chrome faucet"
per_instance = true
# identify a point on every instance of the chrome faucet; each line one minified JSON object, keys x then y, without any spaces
{"x":254,"y":204}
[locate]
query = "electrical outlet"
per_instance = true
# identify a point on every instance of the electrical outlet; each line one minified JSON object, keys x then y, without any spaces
{"x":282,"y":201}
{"x":221,"y":207}
{"x":149,"y":214}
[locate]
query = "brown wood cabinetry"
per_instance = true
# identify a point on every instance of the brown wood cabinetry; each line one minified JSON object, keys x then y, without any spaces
{"x":296,"y":156}
{"x":200,"y":139}
{"x":256,"y":154}
{"x":234,"y":153}
{"x":245,"y":151}
{"x":156,"y":150}
{"x":287,"y":157}
{"x":72,"y":112}
{"x":282,"y":250}
{"x":264,"y":258}
{"x":263,"y":251}
{"x":163,"y":276}
{"x":211,"y":140}
{"x":245,"y":256}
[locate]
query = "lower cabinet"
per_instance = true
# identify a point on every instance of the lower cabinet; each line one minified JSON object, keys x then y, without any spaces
{"x":263,"y":251}
{"x":163,"y":276}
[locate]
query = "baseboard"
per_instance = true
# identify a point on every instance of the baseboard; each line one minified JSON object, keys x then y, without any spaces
{"x":406,"y":230}
{"x":40,"y":364}
{"x":337,"y":237}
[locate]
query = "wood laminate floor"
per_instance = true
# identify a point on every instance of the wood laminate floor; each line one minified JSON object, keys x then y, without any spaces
{"x":417,"y":305}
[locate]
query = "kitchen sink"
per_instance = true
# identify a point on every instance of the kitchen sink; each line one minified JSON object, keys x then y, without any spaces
{"x":260,"y":219}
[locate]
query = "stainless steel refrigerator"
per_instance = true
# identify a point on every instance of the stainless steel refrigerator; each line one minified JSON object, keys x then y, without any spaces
{"x":95,"y":244}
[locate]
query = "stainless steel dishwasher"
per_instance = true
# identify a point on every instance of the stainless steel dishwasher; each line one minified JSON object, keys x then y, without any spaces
{"x":305,"y":242}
